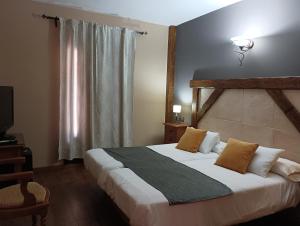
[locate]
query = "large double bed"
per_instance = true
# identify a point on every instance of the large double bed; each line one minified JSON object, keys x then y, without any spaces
{"x":252,"y":196}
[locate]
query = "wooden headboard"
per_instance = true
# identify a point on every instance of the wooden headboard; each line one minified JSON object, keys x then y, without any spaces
{"x":275,"y":88}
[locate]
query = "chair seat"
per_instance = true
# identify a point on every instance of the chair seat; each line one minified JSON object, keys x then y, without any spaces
{"x":12,"y":197}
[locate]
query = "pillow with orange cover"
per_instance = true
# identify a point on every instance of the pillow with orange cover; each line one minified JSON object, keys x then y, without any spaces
{"x":237,"y":155}
{"x":191,"y":139}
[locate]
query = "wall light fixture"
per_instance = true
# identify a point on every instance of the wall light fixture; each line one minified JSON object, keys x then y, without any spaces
{"x":244,"y":45}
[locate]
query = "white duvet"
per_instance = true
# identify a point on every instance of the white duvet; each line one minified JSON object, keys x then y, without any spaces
{"x":253,"y":196}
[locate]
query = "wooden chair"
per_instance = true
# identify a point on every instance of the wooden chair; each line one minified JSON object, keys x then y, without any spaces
{"x":25,"y":198}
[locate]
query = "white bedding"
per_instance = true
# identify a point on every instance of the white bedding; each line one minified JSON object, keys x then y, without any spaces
{"x":98,"y":162}
{"x":253,"y":197}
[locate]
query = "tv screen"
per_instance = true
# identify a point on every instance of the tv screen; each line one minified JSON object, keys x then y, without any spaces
{"x":6,"y":109}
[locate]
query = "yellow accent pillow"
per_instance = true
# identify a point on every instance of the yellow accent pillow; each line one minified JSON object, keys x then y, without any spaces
{"x":237,"y":155}
{"x":191,"y":139}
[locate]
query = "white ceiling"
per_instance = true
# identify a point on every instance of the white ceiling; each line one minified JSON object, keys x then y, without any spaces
{"x":164,"y":12}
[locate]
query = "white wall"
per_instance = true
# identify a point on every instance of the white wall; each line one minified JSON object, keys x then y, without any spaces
{"x":29,"y":61}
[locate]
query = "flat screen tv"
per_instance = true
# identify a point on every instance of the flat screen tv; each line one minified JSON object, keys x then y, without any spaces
{"x":6,"y":109}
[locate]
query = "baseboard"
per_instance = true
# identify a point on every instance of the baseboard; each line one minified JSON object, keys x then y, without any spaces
{"x":58,"y":165}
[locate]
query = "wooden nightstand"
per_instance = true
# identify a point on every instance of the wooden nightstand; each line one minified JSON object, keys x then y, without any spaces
{"x":13,"y":150}
{"x":173,"y":131}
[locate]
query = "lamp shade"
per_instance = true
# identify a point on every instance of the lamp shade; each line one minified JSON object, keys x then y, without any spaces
{"x":176,"y":108}
{"x":242,"y":42}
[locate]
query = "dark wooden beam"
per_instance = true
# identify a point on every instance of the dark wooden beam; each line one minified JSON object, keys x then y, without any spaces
{"x":170,"y":74}
{"x":273,"y":85}
{"x":286,"y":106}
{"x":195,"y":106}
{"x":209,"y":103}
{"x":250,"y":83}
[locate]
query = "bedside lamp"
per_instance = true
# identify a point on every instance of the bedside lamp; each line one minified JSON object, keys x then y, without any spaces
{"x":176,"y":110}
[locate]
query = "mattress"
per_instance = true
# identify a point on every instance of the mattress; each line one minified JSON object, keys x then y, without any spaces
{"x":98,"y":162}
{"x":253,"y":197}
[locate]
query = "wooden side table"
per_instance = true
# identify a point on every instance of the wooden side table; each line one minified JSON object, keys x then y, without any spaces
{"x":13,"y":150}
{"x":174,"y":131}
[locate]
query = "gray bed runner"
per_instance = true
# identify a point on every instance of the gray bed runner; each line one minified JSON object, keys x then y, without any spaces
{"x":177,"y":182}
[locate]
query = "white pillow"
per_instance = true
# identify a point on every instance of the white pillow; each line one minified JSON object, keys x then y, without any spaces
{"x":263,"y":160}
{"x":287,"y":169}
{"x":219,"y":147}
{"x":210,"y":140}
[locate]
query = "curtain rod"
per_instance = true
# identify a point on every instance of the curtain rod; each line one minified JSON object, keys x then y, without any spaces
{"x":56,"y":19}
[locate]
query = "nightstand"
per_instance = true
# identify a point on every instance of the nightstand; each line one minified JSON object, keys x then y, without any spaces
{"x":174,"y":131}
{"x":14,"y":150}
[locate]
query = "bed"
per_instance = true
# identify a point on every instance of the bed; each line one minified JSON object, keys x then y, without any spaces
{"x":253,"y":196}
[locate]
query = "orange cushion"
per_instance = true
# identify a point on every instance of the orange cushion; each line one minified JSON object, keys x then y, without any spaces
{"x":237,"y":155}
{"x":191,"y":139}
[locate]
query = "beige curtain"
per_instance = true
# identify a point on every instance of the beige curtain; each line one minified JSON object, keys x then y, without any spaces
{"x":96,"y":83}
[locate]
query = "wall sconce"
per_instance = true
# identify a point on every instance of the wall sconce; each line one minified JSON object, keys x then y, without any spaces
{"x":177,"y":110}
{"x":244,"y":45}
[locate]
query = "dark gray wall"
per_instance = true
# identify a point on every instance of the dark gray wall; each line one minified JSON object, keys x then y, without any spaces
{"x":204,"y":49}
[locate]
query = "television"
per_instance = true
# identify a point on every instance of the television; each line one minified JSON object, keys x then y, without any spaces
{"x":6,"y":110}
